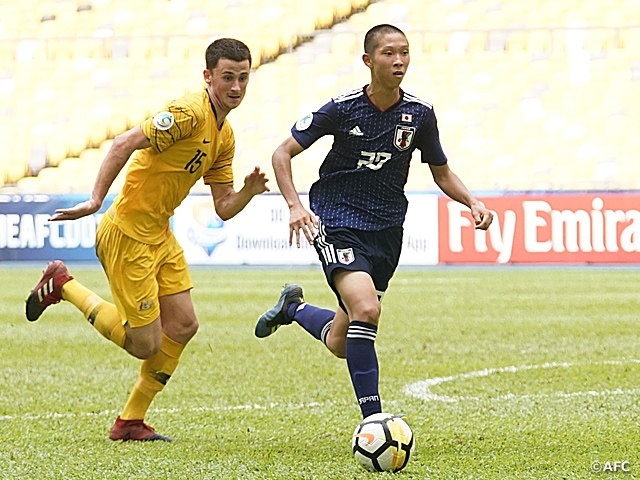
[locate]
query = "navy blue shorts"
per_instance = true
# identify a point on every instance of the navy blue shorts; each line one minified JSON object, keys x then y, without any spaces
{"x":376,"y":253}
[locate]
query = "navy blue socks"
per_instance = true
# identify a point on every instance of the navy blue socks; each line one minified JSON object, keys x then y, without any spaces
{"x":317,"y":321}
{"x":362,"y":360}
{"x":363,"y":365}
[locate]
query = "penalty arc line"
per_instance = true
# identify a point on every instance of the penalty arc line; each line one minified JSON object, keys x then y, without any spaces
{"x":422,"y":389}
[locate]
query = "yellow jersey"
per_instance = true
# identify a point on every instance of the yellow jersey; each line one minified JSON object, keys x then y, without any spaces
{"x":185,"y":145}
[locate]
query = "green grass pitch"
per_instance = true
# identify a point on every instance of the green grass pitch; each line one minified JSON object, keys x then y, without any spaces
{"x":513,"y":373}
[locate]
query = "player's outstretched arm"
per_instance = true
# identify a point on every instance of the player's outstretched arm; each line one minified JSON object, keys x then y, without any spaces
{"x":228,"y":203}
{"x":123,"y":146}
{"x":300,"y":219}
{"x":453,"y":187}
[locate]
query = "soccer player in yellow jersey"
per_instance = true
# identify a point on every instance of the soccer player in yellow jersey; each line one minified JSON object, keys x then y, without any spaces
{"x":153,"y":317}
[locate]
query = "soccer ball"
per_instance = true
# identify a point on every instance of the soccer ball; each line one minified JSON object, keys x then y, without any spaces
{"x":383,"y":443}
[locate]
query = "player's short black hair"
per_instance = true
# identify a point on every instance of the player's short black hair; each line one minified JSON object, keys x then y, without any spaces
{"x":228,"y":48}
{"x":371,"y":38}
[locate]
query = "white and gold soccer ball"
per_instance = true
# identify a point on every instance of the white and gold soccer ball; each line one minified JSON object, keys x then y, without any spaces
{"x":383,"y":442}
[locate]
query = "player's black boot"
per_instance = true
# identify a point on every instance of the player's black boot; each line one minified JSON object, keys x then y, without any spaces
{"x":271,"y":320}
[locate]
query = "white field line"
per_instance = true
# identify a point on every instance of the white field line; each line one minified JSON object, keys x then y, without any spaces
{"x":422,"y":389}
{"x":102,"y":413}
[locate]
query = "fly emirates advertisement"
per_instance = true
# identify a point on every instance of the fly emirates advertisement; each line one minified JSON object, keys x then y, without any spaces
{"x":554,"y":228}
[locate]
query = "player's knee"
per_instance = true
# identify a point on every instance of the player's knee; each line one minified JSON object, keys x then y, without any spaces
{"x":368,"y":312}
{"x":143,"y":344}
{"x":145,"y":350}
{"x":191,"y":328}
{"x":187,"y":328}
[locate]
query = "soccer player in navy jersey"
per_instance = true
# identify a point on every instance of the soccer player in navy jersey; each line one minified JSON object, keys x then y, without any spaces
{"x":360,"y":206}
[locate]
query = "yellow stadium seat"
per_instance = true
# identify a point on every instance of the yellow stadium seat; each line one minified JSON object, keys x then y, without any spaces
{"x":7,"y":52}
{"x":178,"y":47}
{"x":477,"y":42}
{"x":51,"y":180}
{"x":538,"y":41}
{"x":630,"y":37}
{"x":344,"y":44}
{"x":70,"y":166}
{"x":599,"y":39}
{"x":516,"y":41}
{"x":359,"y":4}
{"x":91,"y":157}
{"x":29,"y":185}
{"x":88,"y":48}
{"x":435,"y":42}
{"x":342,"y":8}
{"x":138,"y":49}
{"x":56,"y":150}
{"x":104,"y":148}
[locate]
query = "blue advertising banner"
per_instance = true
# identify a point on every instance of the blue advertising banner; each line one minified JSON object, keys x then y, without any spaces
{"x":258,"y":236}
{"x":26,"y":233}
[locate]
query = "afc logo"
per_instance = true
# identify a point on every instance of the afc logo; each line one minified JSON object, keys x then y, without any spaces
{"x":617,"y":466}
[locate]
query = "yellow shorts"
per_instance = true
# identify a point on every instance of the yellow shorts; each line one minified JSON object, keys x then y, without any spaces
{"x":140,"y":273}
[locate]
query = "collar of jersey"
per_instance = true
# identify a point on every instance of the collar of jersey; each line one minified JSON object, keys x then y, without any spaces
{"x":213,"y":107}
{"x":366,"y":95}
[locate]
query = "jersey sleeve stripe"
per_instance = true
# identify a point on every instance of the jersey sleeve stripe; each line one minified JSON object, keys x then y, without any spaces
{"x":410,"y":98}
{"x":349,"y":95}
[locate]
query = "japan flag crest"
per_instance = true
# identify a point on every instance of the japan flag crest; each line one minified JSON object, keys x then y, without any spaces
{"x":345,"y":255}
{"x":403,"y":137}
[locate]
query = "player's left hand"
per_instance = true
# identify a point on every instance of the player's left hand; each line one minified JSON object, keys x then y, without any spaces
{"x":301,"y":222}
{"x":80,"y":210}
{"x":256,"y":182}
{"x":481,"y":215}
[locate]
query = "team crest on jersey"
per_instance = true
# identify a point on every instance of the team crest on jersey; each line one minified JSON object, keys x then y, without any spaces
{"x":304,"y":122}
{"x":163,"y":120}
{"x":403,"y":137}
{"x":345,"y":255}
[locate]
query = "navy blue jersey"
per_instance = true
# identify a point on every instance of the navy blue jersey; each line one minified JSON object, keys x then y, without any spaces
{"x":362,"y":178}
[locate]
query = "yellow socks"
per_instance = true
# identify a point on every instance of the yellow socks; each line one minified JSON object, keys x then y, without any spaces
{"x":154,"y":374}
{"x":101,"y":314}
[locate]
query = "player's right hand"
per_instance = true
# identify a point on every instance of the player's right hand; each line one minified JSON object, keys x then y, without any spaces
{"x":82,"y":209}
{"x":301,"y":220}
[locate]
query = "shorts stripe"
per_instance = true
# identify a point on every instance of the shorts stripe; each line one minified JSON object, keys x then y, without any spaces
{"x":322,"y":235}
{"x":332,"y":254}
{"x":327,"y":249}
